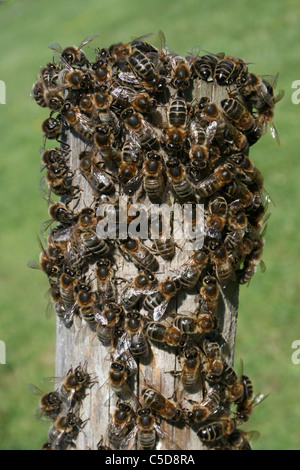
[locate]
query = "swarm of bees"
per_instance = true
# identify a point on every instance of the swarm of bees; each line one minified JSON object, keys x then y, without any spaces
{"x":152,"y":128}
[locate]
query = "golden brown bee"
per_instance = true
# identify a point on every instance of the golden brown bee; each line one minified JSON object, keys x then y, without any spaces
{"x":247,"y":171}
{"x":138,"y":287}
{"x":217,"y":217}
{"x":79,"y":121}
{"x":239,"y":193}
{"x":46,"y":263}
{"x":121,"y":424}
{"x":67,"y":283}
{"x":49,"y":74}
{"x":204,"y":323}
{"x":74,"y":55}
{"x":170,"y":335}
{"x":58,"y":180}
{"x":161,"y":405}
{"x":50,"y":404}
{"x":86,"y":299}
{"x":223,"y":265}
{"x":221,"y":176}
{"x":212,"y":431}
{"x":101,"y":71}
{"x":190,"y":271}
{"x":180,"y":182}
{"x":258,"y":91}
{"x":238,"y":114}
{"x":47,"y":97}
{"x":191,"y":367}
{"x":175,"y":134}
{"x":74,"y":384}
{"x":213,"y":367}
{"x":209,"y":296}
{"x":133,"y":250}
{"x":158,"y":300}
{"x":204,"y":410}
{"x":230,"y":70}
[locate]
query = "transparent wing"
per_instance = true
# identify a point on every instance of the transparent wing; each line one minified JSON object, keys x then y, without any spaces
{"x":87,"y":40}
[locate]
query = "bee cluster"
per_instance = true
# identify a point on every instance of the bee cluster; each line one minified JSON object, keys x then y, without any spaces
{"x":153,"y":128}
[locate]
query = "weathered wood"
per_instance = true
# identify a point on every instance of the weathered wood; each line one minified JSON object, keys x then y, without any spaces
{"x":78,"y":344}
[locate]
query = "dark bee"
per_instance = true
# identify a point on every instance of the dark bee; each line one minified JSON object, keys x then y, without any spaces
{"x":52,"y":128}
{"x":137,"y":341}
{"x":222,"y":175}
{"x":190,"y":271}
{"x":107,"y":322}
{"x":204,"y":410}
{"x":214,"y":362}
{"x":223,"y":264}
{"x":181,"y":73}
{"x":79,"y":121}
{"x":50,"y":404}
{"x":204,"y":66}
{"x":229,"y":70}
{"x":106,"y":290}
{"x":217,"y":429}
{"x":237,"y":113}
{"x":183,"y":187}
{"x":64,"y":431}
{"x":99,"y":180}
{"x":204,"y":323}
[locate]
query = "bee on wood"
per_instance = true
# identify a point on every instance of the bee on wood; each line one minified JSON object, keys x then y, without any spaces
{"x":157,"y":301}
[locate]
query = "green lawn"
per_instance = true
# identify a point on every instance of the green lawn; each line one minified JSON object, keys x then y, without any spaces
{"x":267,"y":36}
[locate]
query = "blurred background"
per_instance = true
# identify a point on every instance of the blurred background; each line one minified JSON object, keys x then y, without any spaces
{"x":268,"y":323}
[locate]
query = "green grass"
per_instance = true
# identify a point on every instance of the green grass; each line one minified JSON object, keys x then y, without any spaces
{"x":267,"y":36}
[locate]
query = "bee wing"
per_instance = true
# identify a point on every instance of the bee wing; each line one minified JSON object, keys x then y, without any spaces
{"x":160,"y":310}
{"x":56,"y":47}
{"x":129,"y":439}
{"x":87,"y":40}
{"x":34,"y":390}
{"x":274,"y":133}
{"x":210,"y":132}
{"x":44,"y":190}
{"x":45,"y":226}
{"x":33,"y":264}
{"x":164,"y":440}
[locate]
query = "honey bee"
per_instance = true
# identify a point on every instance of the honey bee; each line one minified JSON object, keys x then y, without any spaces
{"x":98,"y":179}
{"x":136,"y":340}
{"x":55,"y":301}
{"x":118,"y":375}
{"x":237,"y":113}
{"x":52,"y":128}
{"x":251,"y":261}
{"x":212,"y":431}
{"x":258,"y":91}
{"x":144,"y":69}
{"x":237,"y":225}
{"x":64,"y":430}
{"x":58,"y":181}
{"x":74,"y":55}
{"x":213,"y":367}
{"x":204,"y":323}
{"x":204,"y":66}
{"x":79,"y":122}
{"x":247,"y":403}
{"x":157,"y":301}
{"x":50,"y":405}
{"x":221,"y":176}
{"x":190,"y":271}
{"x":86,"y":300}
{"x":57,"y":158}
{"x":165,"y":247}
{"x":139,"y":128}
{"x":147,"y":432}
{"x":230,"y":70}
{"x":181,"y":184}
{"x":67,"y":283}
{"x":170,"y":335}
{"x":161,"y":405}
{"x":104,"y":139}
{"x":105,"y":275}
{"x":49,"y":74}
{"x":239,"y":193}
{"x":248,"y":173}
{"x":46,"y":263}
{"x":234,"y":387}
{"x":46,"y":96}
{"x":223,"y":264}
{"x":133,"y":250}
{"x":240,"y":440}
{"x":74,"y":384}
{"x":153,"y":180}
{"x":101,"y":71}
{"x":190,"y":363}
{"x":69,"y":77}
{"x":203,"y":411}
{"x":107,"y":322}
{"x":181,"y":73}
{"x":175,"y":134}
{"x":217,"y":217}
{"x":138,"y":287}
{"x":121,"y":424}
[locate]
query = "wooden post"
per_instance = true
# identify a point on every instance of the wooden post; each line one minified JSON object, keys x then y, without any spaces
{"x":78,"y":344}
